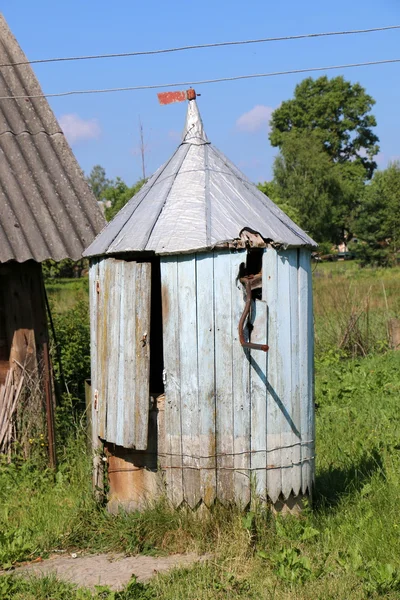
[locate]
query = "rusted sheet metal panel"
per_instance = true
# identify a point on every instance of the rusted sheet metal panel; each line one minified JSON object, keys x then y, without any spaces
{"x":121,"y":350}
{"x":306,"y":341}
{"x":222,"y":203}
{"x":47,"y":209}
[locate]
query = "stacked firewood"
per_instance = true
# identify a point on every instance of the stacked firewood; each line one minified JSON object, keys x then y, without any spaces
{"x":10,"y":391}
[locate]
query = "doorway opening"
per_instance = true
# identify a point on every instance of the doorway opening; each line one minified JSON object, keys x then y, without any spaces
{"x":156,"y":332}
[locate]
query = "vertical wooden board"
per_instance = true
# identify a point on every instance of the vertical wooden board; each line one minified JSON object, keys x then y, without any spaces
{"x":141,"y":373}
{"x":173,"y":450}
{"x":187,"y":315}
{"x":224,"y":375}
{"x":258,"y":391}
{"x":241,"y":391}
{"x":306,"y":339}
{"x":113,"y":311}
{"x":284,"y":380}
{"x":93,"y":299}
{"x":122,"y":395}
{"x":102,"y":343}
{"x":270,"y":294}
{"x":295,"y":367}
{"x":206,"y":375}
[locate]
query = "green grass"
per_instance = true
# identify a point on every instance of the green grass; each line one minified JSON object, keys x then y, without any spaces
{"x":347,"y":546}
{"x":65,"y":293}
{"x":352,"y":308}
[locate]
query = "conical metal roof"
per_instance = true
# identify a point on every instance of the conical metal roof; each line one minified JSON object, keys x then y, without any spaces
{"x":197,"y":200}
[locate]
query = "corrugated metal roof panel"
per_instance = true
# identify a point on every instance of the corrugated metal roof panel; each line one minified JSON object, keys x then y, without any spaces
{"x":47,"y":209}
{"x":197,"y":200}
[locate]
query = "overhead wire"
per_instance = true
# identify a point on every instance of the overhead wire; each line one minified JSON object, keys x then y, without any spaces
{"x":202,"y":81}
{"x":200,"y":46}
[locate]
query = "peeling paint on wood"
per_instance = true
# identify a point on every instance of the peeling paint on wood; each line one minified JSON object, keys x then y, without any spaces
{"x":120,"y":308}
{"x":254,"y":411}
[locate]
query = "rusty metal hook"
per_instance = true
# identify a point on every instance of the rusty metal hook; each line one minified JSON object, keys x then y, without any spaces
{"x":245,"y":314}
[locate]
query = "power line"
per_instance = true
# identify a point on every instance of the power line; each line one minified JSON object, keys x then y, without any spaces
{"x":201,"y":46}
{"x":202,"y":82}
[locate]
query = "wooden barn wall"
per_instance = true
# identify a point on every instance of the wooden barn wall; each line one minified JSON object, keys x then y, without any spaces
{"x":23,"y":324}
{"x":120,"y":356}
{"x":237,"y":419}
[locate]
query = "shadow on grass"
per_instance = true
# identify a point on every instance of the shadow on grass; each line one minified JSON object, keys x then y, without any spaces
{"x":333,"y":484}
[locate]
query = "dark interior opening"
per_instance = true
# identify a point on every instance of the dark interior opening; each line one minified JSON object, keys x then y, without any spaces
{"x":156,"y":333}
{"x":254,"y":267}
{"x":4,"y":344}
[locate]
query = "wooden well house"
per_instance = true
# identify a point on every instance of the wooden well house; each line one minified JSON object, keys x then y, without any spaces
{"x":202,"y":338}
{"x":47,"y":211}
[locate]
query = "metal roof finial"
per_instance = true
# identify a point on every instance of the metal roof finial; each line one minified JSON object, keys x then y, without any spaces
{"x":193,"y":132}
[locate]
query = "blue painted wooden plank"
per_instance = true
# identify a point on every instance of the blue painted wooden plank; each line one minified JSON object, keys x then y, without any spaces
{"x":122,"y":398}
{"x":224,"y":375}
{"x":284,"y":388}
{"x":102,"y":343}
{"x":173,"y":435}
{"x":142,"y":349}
{"x":295,"y":367}
{"x":113,"y":311}
{"x":270,"y":293}
{"x":133,"y":354}
{"x":190,"y":413}
{"x":241,"y":391}
{"x":259,"y":374}
{"x":206,"y":375}
{"x":93,"y":301}
{"x":127,"y":358}
{"x":306,"y":339}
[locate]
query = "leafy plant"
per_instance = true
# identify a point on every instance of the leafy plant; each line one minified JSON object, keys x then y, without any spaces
{"x":292,"y":566}
{"x":15,"y":545}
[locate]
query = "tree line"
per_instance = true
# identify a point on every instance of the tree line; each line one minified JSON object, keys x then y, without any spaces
{"x":325,"y":175}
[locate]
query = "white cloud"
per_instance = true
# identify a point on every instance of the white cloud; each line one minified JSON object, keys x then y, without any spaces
{"x":77,"y":129}
{"x":255,"y":119}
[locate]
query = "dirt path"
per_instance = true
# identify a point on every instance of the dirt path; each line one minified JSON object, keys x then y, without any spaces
{"x":114,"y":570}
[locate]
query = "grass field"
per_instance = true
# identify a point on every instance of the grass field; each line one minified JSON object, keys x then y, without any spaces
{"x":346,"y":546}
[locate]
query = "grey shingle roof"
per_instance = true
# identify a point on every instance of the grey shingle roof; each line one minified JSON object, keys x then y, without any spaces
{"x":46,"y":207}
{"x":196,"y":200}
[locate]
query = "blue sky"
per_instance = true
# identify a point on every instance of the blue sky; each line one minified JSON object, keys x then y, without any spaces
{"x":103,"y":128}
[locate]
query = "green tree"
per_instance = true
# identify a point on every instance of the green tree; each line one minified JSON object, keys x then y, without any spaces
{"x":337,"y":112}
{"x":377,"y":222}
{"x":98,"y":181}
{"x":118,"y":194}
{"x":321,"y":193}
{"x":270,"y":189}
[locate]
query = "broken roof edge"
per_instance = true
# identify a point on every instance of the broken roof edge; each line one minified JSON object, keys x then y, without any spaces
{"x":242,"y":242}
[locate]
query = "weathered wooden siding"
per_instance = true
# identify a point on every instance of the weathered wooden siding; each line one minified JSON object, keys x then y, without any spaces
{"x":237,"y":420}
{"x":120,"y":348}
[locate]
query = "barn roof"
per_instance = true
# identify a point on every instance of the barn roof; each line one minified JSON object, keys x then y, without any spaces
{"x":197,"y":200}
{"x":46,"y":207}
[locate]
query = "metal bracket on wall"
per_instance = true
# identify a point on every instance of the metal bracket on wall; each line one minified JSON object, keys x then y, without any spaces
{"x":250,"y":282}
